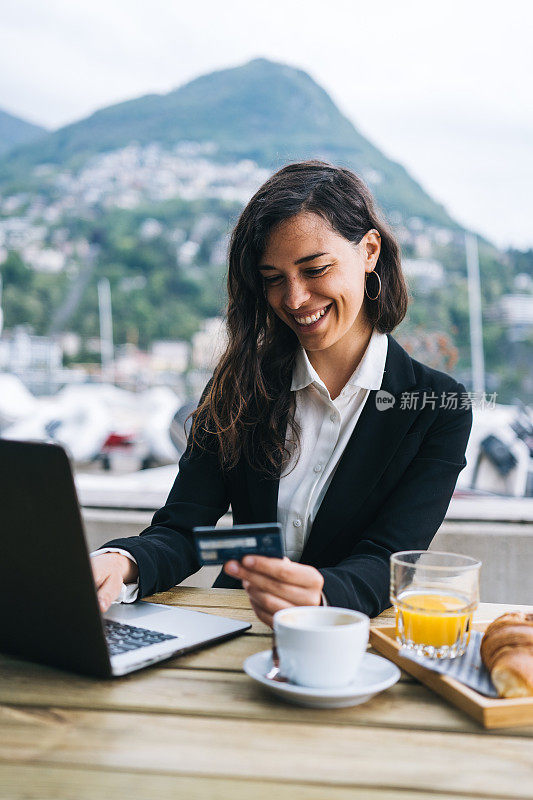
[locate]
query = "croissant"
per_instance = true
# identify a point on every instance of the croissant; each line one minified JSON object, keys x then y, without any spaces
{"x":507,"y":652}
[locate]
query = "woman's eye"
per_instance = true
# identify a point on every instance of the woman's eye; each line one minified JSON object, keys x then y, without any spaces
{"x":311,"y":273}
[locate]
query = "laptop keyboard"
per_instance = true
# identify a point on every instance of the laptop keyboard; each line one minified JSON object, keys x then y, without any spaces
{"x":121,"y":638}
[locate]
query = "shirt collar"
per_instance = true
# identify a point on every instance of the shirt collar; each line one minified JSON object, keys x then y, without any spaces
{"x":368,"y":375}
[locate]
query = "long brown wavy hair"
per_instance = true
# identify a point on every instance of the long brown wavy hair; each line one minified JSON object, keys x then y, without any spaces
{"x":247,"y":405}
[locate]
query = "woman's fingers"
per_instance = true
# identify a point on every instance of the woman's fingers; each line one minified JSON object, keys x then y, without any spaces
{"x":279,"y":569}
{"x":108,"y":579}
{"x":265,"y":606}
{"x":296,"y":595}
{"x":275,"y":583}
{"x":263,"y":615}
{"x":99,"y":573}
{"x":269,"y":603}
{"x":282,"y":569}
{"x":109,"y":590}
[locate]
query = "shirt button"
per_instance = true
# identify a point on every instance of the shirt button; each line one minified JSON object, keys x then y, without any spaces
{"x":317,"y":467}
{"x":332,"y":417}
{"x":297,"y":523}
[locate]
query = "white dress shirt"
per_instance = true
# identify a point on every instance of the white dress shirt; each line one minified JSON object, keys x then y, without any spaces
{"x":326,"y":426}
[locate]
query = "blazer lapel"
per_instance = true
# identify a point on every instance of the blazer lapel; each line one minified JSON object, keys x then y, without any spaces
{"x":372,"y":445}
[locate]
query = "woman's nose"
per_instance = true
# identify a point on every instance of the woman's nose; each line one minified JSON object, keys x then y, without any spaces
{"x":296,"y":294}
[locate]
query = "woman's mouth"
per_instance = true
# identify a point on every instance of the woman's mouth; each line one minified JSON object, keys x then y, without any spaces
{"x":312,"y":321}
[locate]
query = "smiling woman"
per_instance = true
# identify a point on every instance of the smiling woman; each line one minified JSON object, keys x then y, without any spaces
{"x":311,"y":228}
{"x":290,"y":427}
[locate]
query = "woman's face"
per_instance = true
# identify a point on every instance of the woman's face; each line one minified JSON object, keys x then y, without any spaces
{"x":315,"y":279}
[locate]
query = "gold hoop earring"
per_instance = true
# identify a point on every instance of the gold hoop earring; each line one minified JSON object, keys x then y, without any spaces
{"x":379,"y":279}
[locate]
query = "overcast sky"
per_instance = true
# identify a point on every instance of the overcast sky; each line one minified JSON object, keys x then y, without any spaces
{"x":442,"y":87}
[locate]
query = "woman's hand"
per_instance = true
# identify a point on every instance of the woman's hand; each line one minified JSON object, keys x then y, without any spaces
{"x":110,"y":571}
{"x":275,"y":583}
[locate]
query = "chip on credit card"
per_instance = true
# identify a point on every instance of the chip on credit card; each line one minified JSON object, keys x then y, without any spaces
{"x":218,"y":545}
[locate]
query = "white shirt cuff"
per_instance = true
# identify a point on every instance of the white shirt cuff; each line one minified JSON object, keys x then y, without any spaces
{"x":129,"y":591}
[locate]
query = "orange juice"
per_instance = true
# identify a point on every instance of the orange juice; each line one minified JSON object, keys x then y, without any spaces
{"x":433,"y":619}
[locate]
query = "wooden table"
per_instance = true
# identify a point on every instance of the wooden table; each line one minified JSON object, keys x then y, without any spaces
{"x":198,"y":727}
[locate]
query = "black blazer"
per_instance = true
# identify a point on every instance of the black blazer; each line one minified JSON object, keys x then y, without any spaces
{"x":390,"y":492}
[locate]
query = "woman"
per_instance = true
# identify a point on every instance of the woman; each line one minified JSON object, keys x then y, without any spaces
{"x":315,"y":416}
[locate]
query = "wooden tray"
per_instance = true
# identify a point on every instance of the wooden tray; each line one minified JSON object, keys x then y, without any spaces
{"x":490,"y":712}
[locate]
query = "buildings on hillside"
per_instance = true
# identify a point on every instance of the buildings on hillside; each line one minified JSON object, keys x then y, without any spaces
{"x":39,"y":360}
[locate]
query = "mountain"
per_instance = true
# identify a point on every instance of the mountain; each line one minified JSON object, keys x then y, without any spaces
{"x":15,"y":131}
{"x":266,"y":111}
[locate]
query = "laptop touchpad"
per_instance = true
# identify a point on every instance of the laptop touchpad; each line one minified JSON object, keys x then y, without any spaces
{"x":132,"y":613}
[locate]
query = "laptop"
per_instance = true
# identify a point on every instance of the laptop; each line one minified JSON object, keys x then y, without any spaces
{"x":50,"y":609}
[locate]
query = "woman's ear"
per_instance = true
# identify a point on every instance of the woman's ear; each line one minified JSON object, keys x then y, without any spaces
{"x":372,"y":249}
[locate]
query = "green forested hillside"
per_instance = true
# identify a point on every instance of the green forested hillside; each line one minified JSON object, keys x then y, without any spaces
{"x":154,"y":294}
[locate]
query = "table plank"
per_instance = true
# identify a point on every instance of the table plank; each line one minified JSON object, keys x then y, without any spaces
{"x":225,"y":695}
{"x":43,"y":782}
{"x":300,"y":753}
{"x":226,"y":656}
{"x":193,"y":596}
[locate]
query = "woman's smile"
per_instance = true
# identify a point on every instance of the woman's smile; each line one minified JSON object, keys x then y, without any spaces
{"x":310,"y":321}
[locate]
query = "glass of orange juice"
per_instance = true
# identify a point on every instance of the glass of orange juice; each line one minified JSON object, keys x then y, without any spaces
{"x":434,"y":595}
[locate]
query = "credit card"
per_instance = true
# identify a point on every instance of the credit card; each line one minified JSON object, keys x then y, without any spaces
{"x":218,"y":545}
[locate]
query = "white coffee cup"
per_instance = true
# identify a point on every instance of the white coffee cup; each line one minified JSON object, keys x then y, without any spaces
{"x":320,"y":646}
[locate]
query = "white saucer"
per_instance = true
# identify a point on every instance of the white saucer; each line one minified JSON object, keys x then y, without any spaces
{"x":375,"y":674}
